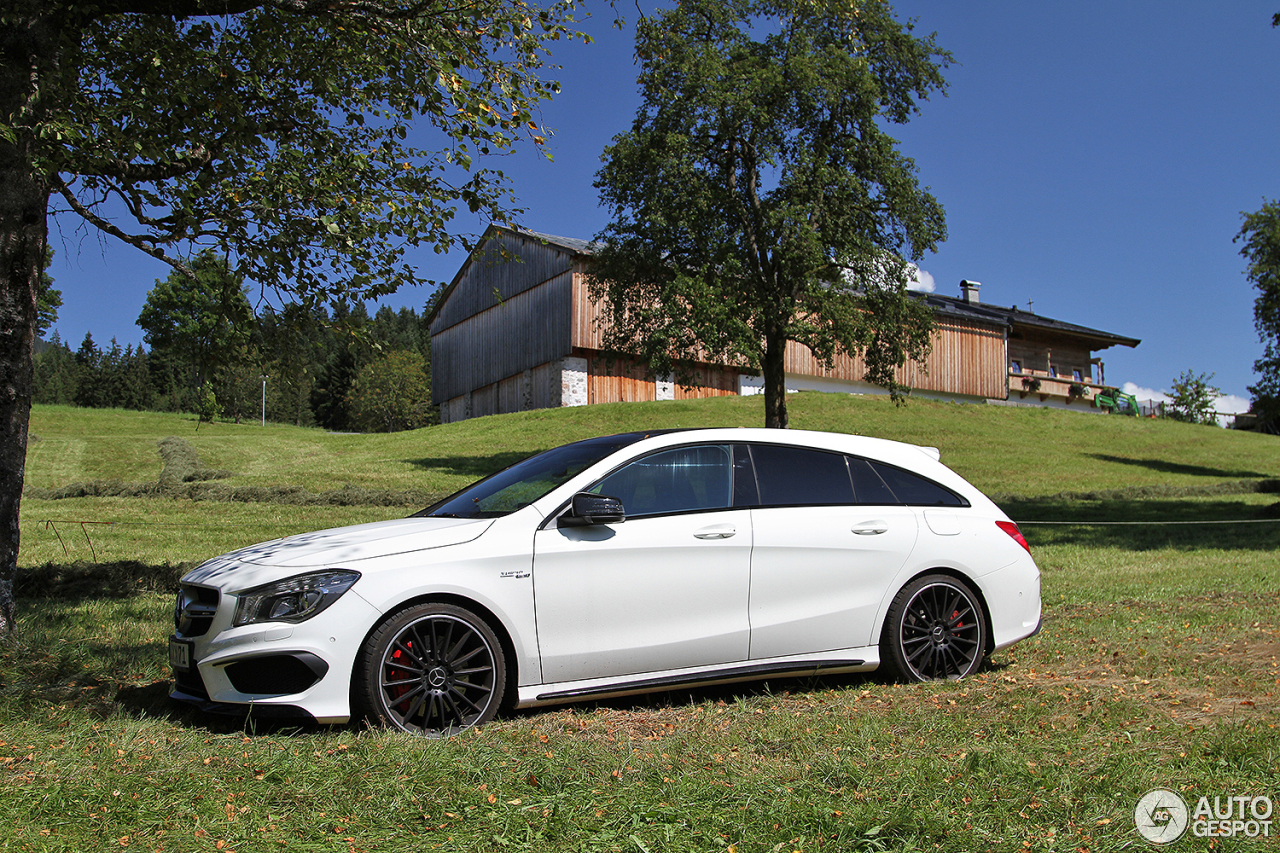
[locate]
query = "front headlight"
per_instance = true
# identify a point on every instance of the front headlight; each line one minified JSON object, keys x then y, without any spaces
{"x":293,"y":599}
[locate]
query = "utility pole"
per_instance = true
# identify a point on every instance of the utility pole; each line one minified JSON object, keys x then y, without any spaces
{"x":264,"y":378}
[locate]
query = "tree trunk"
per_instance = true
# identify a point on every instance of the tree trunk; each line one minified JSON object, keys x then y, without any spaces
{"x":24,"y":197}
{"x":775,"y":382}
{"x":22,"y":241}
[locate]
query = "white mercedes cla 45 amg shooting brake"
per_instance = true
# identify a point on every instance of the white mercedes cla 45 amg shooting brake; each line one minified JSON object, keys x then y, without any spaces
{"x":617,"y":565}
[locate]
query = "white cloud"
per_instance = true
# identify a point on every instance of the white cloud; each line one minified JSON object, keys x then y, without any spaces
{"x":1227,"y":405}
{"x":1144,"y":394}
{"x":1231,"y":403}
{"x":920,"y":279}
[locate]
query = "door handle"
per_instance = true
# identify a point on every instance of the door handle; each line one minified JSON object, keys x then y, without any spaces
{"x":718,"y":531}
{"x":871,"y":528}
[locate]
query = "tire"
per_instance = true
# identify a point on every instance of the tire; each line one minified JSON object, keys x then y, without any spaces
{"x":935,"y":631}
{"x":433,"y":670}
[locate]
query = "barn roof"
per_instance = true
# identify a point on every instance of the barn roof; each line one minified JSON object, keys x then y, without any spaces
{"x":1012,"y":318}
{"x":573,"y":244}
{"x":1015,"y":318}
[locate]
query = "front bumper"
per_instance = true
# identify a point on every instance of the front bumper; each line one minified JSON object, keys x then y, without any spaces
{"x":275,"y":668}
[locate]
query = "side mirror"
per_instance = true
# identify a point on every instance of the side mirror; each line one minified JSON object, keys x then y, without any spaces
{"x":587,"y":508}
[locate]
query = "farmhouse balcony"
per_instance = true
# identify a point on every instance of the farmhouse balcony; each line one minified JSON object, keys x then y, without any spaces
{"x":1022,"y":385}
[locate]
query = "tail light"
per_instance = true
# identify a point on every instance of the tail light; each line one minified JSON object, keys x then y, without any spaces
{"x":1012,"y":529}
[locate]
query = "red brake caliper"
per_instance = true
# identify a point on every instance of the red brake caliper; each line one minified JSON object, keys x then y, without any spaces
{"x":394,"y":673}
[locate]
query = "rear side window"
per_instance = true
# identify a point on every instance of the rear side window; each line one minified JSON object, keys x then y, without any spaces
{"x":796,"y":476}
{"x":914,"y":490}
{"x":868,"y":486}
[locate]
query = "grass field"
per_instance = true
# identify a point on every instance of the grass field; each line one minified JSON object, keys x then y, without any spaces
{"x":1159,"y":664}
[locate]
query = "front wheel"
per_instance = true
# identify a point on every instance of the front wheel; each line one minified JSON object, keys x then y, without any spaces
{"x":935,"y":630}
{"x":432,"y":670}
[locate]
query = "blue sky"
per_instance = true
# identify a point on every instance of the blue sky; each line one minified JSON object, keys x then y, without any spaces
{"x":1093,"y":159}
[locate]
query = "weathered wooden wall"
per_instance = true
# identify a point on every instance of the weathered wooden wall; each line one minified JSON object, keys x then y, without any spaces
{"x":535,"y":388}
{"x":505,"y":265}
{"x":967,"y":358}
{"x":709,"y":382}
{"x":588,"y":334}
{"x":617,"y":382}
{"x":1036,"y":355}
{"x":509,"y":311}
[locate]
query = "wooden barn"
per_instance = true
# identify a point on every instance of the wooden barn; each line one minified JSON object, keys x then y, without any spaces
{"x":516,"y":329}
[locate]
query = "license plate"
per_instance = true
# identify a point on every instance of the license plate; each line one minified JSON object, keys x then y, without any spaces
{"x":179,"y":654}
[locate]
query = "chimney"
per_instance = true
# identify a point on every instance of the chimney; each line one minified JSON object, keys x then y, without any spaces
{"x":969,"y":291}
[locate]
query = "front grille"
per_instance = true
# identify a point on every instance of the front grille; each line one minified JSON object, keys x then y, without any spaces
{"x":193,"y":613}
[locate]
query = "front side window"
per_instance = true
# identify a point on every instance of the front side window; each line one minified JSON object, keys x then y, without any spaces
{"x":683,"y":479}
{"x":527,"y":481}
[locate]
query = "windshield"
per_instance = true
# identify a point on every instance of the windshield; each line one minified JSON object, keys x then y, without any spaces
{"x":525,"y":482}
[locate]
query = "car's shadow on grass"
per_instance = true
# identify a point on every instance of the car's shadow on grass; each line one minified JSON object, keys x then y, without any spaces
{"x":642,"y":703}
{"x":470,"y":466}
{"x":153,"y":701}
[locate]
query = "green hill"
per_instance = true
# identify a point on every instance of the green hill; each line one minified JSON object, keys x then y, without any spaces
{"x":1005,"y":451}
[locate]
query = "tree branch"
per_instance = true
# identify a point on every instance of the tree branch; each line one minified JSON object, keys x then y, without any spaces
{"x":389,"y":11}
{"x":150,"y":172}
{"x":138,"y":242}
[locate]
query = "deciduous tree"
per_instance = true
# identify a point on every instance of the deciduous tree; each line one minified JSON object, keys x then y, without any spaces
{"x":1193,"y":399}
{"x":1260,"y":235}
{"x":289,"y":134}
{"x":203,"y":319}
{"x":48,"y":297}
{"x":391,"y":393}
{"x":759,"y":200}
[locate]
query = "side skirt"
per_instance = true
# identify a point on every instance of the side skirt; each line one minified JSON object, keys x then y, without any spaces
{"x":601,"y":689}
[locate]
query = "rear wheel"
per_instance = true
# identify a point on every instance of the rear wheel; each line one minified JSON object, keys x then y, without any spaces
{"x":432,"y":670}
{"x":935,"y":630}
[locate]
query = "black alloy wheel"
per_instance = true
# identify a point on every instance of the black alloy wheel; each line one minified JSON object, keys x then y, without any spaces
{"x":935,"y":631}
{"x":433,"y":670}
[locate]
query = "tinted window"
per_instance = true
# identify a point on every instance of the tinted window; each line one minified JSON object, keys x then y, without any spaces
{"x":525,"y":482}
{"x":745,"y":492}
{"x":677,"y":480}
{"x":915,"y":490}
{"x":795,"y":476}
{"x":868,"y":487}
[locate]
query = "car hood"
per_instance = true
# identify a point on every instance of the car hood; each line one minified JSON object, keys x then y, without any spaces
{"x":337,"y":547}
